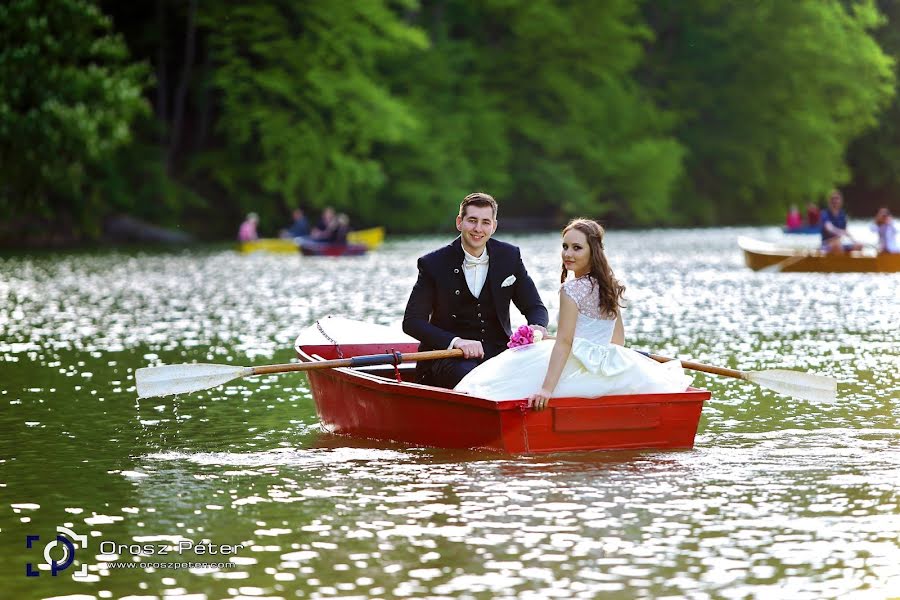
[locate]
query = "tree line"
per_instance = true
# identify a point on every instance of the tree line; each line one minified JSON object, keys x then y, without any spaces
{"x":663,"y":112}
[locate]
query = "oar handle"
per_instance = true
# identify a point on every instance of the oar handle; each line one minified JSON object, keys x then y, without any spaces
{"x":358,"y":361}
{"x":695,"y":366}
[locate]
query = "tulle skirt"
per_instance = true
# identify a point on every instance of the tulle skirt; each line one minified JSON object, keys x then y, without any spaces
{"x":591,"y":370}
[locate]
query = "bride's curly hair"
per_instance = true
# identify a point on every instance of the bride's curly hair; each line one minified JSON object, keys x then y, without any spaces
{"x":611,"y":290}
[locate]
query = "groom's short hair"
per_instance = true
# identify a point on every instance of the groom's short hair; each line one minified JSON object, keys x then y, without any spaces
{"x":478,"y":199}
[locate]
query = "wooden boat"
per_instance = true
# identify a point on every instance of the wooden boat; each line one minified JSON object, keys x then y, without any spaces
{"x":370,"y":238}
{"x":383,"y":403}
{"x":806,"y":229}
{"x":771,"y":257}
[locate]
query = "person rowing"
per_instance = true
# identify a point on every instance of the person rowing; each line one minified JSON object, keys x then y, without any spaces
{"x":834,"y":227}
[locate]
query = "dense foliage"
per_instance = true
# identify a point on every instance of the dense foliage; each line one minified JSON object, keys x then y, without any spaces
{"x":68,"y":95}
{"x":663,"y":112}
{"x":769,"y":95}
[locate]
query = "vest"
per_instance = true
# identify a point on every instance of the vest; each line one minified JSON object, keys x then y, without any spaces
{"x":476,"y":319}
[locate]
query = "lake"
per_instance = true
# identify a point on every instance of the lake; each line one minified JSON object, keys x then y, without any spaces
{"x":780,"y":498}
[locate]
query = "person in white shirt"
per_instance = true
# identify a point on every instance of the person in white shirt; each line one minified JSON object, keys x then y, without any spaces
{"x":887,"y":231}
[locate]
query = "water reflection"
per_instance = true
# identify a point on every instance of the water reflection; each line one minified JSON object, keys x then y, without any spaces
{"x":779,"y":498}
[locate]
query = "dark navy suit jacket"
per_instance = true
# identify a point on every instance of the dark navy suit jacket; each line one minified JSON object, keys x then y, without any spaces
{"x":429,"y":315}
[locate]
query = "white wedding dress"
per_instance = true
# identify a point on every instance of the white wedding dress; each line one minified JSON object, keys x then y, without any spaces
{"x":595,"y":367}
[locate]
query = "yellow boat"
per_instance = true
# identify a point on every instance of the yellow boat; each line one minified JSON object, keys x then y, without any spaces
{"x":770,"y":258}
{"x":371,"y":238}
{"x":277,"y":245}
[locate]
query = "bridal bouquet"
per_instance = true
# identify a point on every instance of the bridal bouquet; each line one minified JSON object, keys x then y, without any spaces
{"x":523,"y":336}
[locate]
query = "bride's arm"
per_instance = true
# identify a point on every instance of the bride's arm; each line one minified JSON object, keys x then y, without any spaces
{"x":562,"y":347}
{"x":618,"y":336}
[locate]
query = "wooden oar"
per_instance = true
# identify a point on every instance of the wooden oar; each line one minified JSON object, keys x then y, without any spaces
{"x":818,"y":388}
{"x":780,"y":265}
{"x":167,"y":380}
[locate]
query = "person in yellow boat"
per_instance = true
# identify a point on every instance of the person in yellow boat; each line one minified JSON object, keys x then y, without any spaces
{"x":247,"y":230}
{"x":341,"y":228}
{"x":588,"y":357}
{"x":324,"y":229}
{"x":299,"y":227}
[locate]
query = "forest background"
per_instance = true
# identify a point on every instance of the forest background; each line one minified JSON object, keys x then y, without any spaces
{"x":640,"y":113}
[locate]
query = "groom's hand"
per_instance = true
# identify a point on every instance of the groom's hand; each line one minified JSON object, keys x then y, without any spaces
{"x":542,"y":329}
{"x":470,"y":348}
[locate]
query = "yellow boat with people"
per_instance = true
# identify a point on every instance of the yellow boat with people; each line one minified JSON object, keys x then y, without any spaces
{"x":370,"y":238}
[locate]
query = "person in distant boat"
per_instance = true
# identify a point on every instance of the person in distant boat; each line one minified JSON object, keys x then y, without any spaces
{"x":887,"y":232}
{"x":341,"y":229}
{"x":299,"y":227}
{"x":324,"y":229}
{"x":247,"y":230}
{"x":834,"y":227}
{"x":794,"y":220}
{"x":588,"y":357}
{"x":462,"y":295}
{"x":813,"y":215}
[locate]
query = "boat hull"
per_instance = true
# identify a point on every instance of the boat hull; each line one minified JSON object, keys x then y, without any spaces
{"x":807,"y":230}
{"x":369,"y":238}
{"x":273,"y":245}
{"x":759,"y":256}
{"x":357,"y":403}
{"x":310,"y":248}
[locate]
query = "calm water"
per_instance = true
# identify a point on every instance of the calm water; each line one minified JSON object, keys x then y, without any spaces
{"x":780,"y":498}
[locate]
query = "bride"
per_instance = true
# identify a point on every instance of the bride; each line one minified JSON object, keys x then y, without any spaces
{"x":587,"y":358}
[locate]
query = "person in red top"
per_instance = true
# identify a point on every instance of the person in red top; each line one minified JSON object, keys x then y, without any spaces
{"x":813,"y":214}
{"x":247,"y":230}
{"x":794,"y":220}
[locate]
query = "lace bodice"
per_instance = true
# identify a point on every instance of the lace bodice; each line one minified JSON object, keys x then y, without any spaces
{"x":585,"y":291}
{"x":592,"y":327}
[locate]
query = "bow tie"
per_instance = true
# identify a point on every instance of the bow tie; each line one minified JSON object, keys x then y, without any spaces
{"x":471,"y":263}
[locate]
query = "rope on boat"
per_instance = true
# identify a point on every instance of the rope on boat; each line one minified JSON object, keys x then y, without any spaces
{"x":523,"y":408}
{"x":330,"y":339}
{"x":397,"y":360}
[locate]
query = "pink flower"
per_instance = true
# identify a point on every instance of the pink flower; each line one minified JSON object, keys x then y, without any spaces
{"x":521,"y":337}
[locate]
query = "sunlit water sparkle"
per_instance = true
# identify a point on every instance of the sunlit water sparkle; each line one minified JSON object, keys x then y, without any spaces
{"x":780,"y":498}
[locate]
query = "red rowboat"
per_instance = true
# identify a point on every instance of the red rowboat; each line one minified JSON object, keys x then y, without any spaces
{"x":314,"y":248}
{"x":370,"y":402}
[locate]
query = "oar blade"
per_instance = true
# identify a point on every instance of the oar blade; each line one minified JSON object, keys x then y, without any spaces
{"x":168,"y":380}
{"x":816,"y":388}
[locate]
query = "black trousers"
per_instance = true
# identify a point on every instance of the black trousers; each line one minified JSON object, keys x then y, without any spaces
{"x":447,"y":372}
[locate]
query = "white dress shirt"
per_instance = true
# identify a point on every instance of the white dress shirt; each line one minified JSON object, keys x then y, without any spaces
{"x":475,"y":269}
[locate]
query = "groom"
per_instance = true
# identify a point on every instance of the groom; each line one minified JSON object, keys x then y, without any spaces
{"x":461,"y":298}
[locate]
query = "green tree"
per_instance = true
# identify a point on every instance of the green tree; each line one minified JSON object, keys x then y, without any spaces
{"x":460,"y":142}
{"x":875,"y":156}
{"x":769,"y":94}
{"x":584,"y":135}
{"x":302,"y":101}
{"x":535,"y":103}
{"x":68,"y":95}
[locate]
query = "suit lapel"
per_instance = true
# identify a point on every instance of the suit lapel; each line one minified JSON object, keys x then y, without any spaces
{"x":494,"y":279}
{"x":455,"y":267}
